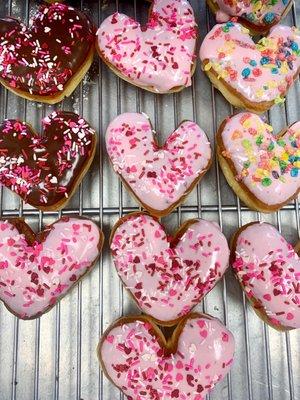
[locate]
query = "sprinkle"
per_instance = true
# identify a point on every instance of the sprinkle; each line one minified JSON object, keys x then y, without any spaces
{"x":48,"y":68}
{"x":31,"y":283}
{"x":260,"y":72}
{"x":40,"y":180}
{"x":159,"y":55}
{"x":183,"y":269}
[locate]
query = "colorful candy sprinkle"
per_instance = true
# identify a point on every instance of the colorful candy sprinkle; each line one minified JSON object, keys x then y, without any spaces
{"x":257,"y":12}
{"x":259,"y":72}
{"x":267,"y":165}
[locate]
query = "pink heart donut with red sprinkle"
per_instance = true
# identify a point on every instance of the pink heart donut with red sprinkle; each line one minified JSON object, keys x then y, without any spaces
{"x":37,"y":270}
{"x":158,"y":56}
{"x":168,"y":276}
{"x":160,"y":177}
{"x":268,"y":269}
{"x":137,"y":359}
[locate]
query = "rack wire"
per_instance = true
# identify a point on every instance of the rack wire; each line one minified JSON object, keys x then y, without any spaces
{"x":54,"y":357}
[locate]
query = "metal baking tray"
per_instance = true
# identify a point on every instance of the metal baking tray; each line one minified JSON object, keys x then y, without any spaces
{"x":54,"y":357}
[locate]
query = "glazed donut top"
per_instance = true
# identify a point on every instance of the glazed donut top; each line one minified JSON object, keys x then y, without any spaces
{"x":135,"y":361}
{"x":158,"y":176}
{"x":265,"y":12}
{"x":42,"y":58}
{"x":159,"y":55}
{"x":168,"y":276}
{"x":44,"y":170}
{"x":267,"y":165}
{"x":269,"y":270}
{"x":35,"y":271}
{"x":260,"y":72}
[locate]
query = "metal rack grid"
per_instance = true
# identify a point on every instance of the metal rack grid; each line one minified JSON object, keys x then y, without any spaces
{"x":54,"y":357}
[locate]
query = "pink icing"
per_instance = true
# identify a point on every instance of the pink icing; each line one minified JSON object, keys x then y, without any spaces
{"x":138,"y":365}
{"x":168,"y":279}
{"x":34,"y":277}
{"x":259,"y":72}
{"x":269,"y":269}
{"x":159,"y":177}
{"x":158,"y":55}
{"x":268,"y":167}
{"x":258,"y":13}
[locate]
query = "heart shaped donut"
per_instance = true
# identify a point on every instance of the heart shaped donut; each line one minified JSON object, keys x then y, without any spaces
{"x":160,"y":56}
{"x":254,"y":76}
{"x":36,"y":271}
{"x":143,"y":364}
{"x":258,"y":16}
{"x":160,"y":178}
{"x":47,"y":60}
{"x":45,"y":171}
{"x":168,"y":276}
{"x":268,"y":269}
{"x":262,"y":169}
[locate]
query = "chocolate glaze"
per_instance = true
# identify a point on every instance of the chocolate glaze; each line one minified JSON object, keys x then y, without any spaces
{"x":41,"y":59}
{"x":45,"y":170}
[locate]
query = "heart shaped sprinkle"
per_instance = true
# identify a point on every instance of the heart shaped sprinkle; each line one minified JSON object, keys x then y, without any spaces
{"x":136,"y":357}
{"x":158,"y":56}
{"x":37,"y":270}
{"x":264,"y":166}
{"x":269,"y":271}
{"x":46,"y":170}
{"x":168,"y":276}
{"x":258,"y":14}
{"x":159,"y":177}
{"x":253,"y":75}
{"x":41,"y":60}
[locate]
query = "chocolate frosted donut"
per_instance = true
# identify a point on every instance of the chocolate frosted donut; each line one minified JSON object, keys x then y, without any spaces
{"x":46,"y":60}
{"x":45,"y":171}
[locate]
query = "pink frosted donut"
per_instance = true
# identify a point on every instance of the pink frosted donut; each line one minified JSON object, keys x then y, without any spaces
{"x":259,"y":16}
{"x":159,"y":56}
{"x":168,"y":276}
{"x":254,"y":76}
{"x":36,"y":271}
{"x":136,"y":357}
{"x":261,"y":167}
{"x":268,"y":269}
{"x":159,"y":177}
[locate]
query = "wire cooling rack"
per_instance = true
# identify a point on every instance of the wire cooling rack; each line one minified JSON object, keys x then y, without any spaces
{"x":54,"y":357}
